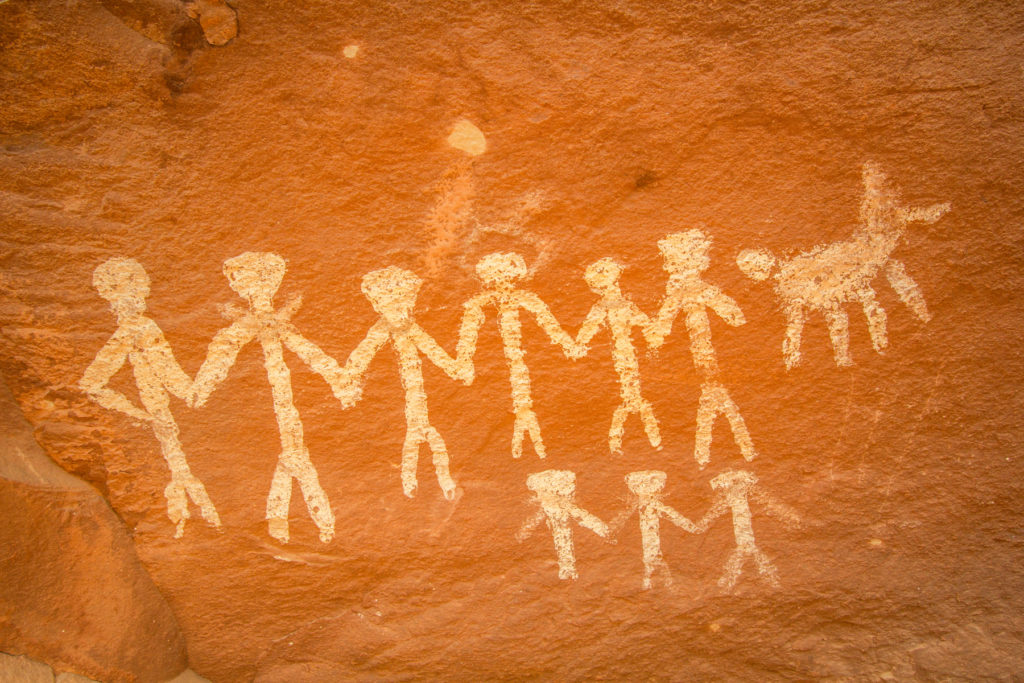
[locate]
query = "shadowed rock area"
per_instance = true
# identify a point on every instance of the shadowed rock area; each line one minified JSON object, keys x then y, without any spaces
{"x":285,"y":286}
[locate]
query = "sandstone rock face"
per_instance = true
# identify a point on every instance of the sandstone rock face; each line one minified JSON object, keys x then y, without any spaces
{"x":748,"y":277}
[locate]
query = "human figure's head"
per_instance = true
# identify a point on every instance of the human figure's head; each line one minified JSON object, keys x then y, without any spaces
{"x":686,"y":252}
{"x":392,"y":292}
{"x":757,"y":264}
{"x":733,"y":479}
{"x":602,"y":276}
{"x":646,"y":482}
{"x":255,"y":276}
{"x":561,"y":483}
{"x":501,"y":269}
{"x":124,"y":283}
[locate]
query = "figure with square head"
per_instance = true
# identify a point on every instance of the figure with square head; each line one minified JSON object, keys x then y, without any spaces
{"x":828,"y":277}
{"x":555,"y":493}
{"x":647,"y":487}
{"x":392,"y":293}
{"x":686,"y":259}
{"x":499,"y":273}
{"x":125,"y":285}
{"x":734,"y":491}
{"x":256,"y":277}
{"x":616,"y":311}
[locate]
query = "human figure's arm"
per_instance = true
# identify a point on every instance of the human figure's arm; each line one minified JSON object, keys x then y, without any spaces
{"x":437,"y":355}
{"x":926,"y":215}
{"x":546,"y":320}
{"x":638,"y":318}
{"x":220,"y":356}
{"x":593,"y":323}
{"x":725,"y":306}
{"x":162,"y":361}
{"x":590,"y":521}
{"x":469,"y":332}
{"x":529,"y":525}
{"x":780,"y":511}
{"x":105,"y":365}
{"x":718,"y":508}
{"x":322,"y":364}
{"x":359,"y":360}
{"x":672,"y":515}
{"x":615,"y":526}
{"x":661,"y":326}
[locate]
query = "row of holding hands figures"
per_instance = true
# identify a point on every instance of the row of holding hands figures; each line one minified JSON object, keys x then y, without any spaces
{"x":392,"y":292}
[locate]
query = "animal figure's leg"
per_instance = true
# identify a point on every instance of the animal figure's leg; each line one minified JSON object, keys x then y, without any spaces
{"x":733,"y":568}
{"x":796,"y":316}
{"x":316,"y":499}
{"x":650,"y":424}
{"x":839,"y":332}
{"x":766,"y":568}
{"x":440,"y":456}
{"x":617,"y":428}
{"x":562,"y":535}
{"x":876,"y":319}
{"x":278,"y":501}
{"x":410,"y":458}
{"x":906,"y":289}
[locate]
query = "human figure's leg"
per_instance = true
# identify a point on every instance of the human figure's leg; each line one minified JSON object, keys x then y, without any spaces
{"x":410,"y":459}
{"x":183,"y":484}
{"x":906,"y":289}
{"x":316,"y":499}
{"x":733,"y":568}
{"x":739,"y":427}
{"x":650,"y":424}
{"x":617,"y":428}
{"x":278,"y":502}
{"x":875,"y":315}
{"x":707,"y":409}
{"x":765,"y":568}
{"x":796,"y":316}
{"x":526,"y":423}
{"x":562,"y":535}
{"x":839,"y":332}
{"x":440,"y":457}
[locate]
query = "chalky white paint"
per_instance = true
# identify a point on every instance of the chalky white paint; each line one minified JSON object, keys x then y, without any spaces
{"x":555,"y":493}
{"x":351,"y":51}
{"x":499,"y":272}
{"x":256,"y":277}
{"x":467,"y":137}
{"x":735,"y":489}
{"x":124,"y":283}
{"x":686,"y":258}
{"x":828,"y":277}
{"x":620,"y":315}
{"x":647,"y":487}
{"x":392,"y":293}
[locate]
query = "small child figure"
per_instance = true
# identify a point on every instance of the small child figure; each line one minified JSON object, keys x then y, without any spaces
{"x":616,"y":311}
{"x":555,"y":492}
{"x":647,"y":486}
{"x":392,"y":293}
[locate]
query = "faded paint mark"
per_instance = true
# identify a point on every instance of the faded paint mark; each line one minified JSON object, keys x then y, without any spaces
{"x":392,"y":293}
{"x":350,"y":51}
{"x":125,"y":284}
{"x":256,"y":277}
{"x":827,"y":277}
{"x":468,"y":138}
{"x":686,"y":258}
{"x":499,"y":272}
{"x":617,"y":312}
{"x":735,"y":489}
{"x":555,"y":493}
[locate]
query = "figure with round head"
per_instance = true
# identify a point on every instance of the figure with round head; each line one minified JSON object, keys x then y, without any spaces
{"x":392,"y":294}
{"x":686,"y":257}
{"x":256,"y":277}
{"x":125,"y":285}
{"x":555,"y":494}
{"x":734,"y":491}
{"x":618,"y":312}
{"x":499,"y":273}
{"x":828,"y":277}
{"x":647,"y":487}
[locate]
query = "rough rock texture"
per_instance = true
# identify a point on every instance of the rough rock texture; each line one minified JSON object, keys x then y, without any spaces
{"x":74,"y":594}
{"x":322,"y":132}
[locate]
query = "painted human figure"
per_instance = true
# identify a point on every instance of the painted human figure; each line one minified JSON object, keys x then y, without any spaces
{"x":616,"y":311}
{"x":392,"y":293}
{"x":499,"y":274}
{"x":686,"y":258}
{"x":555,"y":493}
{"x":256,"y":277}
{"x":828,"y":277}
{"x":735,"y":490}
{"x":124,"y":283}
{"x":647,"y":487}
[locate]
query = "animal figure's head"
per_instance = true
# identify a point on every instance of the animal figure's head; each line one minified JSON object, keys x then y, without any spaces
{"x":124,"y":284}
{"x":757,"y":264}
{"x":501,"y":269}
{"x":686,"y":252}
{"x":646,"y":482}
{"x":392,"y":292}
{"x":255,"y":275}
{"x":603,"y":276}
